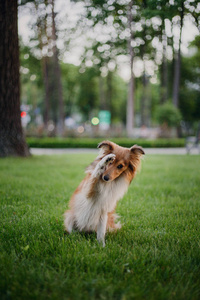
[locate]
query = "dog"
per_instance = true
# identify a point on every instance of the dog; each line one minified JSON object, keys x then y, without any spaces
{"x":92,"y":206}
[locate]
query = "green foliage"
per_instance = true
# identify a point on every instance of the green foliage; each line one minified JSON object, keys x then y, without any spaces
{"x":168,"y":114}
{"x":93,"y":142}
{"x":70,"y":84}
{"x":81,"y":92}
{"x":107,"y":23}
{"x":31,"y":77}
{"x":88,"y":97}
{"x":190,"y":84}
{"x":23,"y":2}
{"x":154,"y":256}
{"x":118,"y":99}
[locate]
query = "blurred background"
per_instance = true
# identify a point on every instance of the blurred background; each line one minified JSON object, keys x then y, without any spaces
{"x":109,"y":68}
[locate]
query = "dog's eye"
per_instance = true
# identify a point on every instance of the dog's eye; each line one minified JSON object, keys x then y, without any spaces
{"x":120,"y":166}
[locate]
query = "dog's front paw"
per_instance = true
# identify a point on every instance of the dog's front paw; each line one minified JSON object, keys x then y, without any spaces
{"x":110,"y":158}
{"x":101,"y":166}
{"x":107,"y":159}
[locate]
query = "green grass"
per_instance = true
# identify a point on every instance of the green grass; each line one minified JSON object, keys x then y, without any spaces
{"x":156,"y":255}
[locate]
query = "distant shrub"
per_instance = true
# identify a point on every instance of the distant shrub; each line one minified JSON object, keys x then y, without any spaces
{"x":167,"y":114}
{"x":93,"y":142}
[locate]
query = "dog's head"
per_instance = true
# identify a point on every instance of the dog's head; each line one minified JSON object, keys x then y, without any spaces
{"x":126,"y":163}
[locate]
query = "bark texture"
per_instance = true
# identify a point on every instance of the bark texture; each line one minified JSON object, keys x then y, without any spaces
{"x":57,"y":73}
{"x":177,"y":63}
{"x":12,"y":141}
{"x":130,"y":100}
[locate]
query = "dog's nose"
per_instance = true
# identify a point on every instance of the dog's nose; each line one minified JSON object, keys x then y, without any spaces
{"x":106,"y":177}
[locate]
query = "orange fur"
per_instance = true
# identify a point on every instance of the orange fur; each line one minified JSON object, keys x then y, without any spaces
{"x":111,"y":223}
{"x":92,"y":206}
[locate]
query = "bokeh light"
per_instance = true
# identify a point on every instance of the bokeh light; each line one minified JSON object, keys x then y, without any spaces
{"x":95,"y":121}
{"x":23,"y":114}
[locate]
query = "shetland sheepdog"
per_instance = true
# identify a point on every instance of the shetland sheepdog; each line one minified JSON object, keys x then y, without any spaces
{"x":92,"y":206}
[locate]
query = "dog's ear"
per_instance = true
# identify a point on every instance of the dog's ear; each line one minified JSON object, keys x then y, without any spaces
{"x":135,"y":159}
{"x":137,"y":150}
{"x":105,"y":147}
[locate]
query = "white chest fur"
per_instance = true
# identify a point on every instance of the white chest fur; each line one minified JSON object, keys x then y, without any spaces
{"x":89,"y":210}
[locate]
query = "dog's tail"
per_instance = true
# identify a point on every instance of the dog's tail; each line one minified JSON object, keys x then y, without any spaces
{"x":111,"y":223}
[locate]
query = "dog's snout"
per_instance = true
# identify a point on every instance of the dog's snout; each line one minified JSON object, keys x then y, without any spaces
{"x":106,"y":177}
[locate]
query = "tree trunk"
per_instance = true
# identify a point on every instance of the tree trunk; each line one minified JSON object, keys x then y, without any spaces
{"x":177,"y":64}
{"x":45,"y":68}
{"x":42,"y":30}
{"x":102,"y":96}
{"x":176,"y":83}
{"x":130,"y":101}
{"x":109,"y":91}
{"x":57,"y":77}
{"x":164,"y":67}
{"x":12,"y":141}
{"x":145,"y":101}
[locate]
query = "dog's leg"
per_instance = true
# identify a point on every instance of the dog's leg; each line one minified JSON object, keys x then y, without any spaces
{"x":97,"y":172}
{"x":100,"y":167}
{"x":69,"y":221}
{"x":101,"y":229}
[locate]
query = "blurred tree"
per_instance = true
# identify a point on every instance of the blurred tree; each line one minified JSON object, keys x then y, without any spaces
{"x":131,"y":92}
{"x":173,"y":14}
{"x":190,"y":84}
{"x":168,"y":114}
{"x":102,"y":51}
{"x":31,"y":79}
{"x":70,"y":83}
{"x":115,"y":19}
{"x":118,"y":99}
{"x":12,"y":140}
{"x":194,"y":8}
{"x":46,"y":37}
{"x":112,"y":31}
{"x":160,"y":13}
{"x":57,"y":74}
{"x":88,"y":96}
{"x":40,"y":11}
{"x":180,"y":7}
{"x":146,"y":53}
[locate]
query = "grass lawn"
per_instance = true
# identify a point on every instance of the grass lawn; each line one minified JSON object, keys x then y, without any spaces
{"x":156,"y":254}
